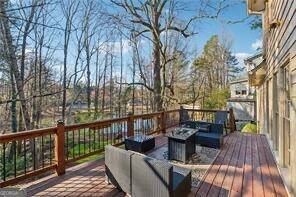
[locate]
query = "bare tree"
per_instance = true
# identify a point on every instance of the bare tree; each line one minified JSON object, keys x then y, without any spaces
{"x":152,"y":18}
{"x":70,"y":9}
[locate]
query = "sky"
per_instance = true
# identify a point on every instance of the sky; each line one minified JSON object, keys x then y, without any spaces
{"x":245,"y":41}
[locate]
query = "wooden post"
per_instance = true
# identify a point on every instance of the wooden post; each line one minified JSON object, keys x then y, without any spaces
{"x":60,"y":148}
{"x":232,"y":125}
{"x":130,"y":125}
{"x":163,"y":122}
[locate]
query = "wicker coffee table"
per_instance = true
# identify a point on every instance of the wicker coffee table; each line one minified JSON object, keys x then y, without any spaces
{"x":139,"y":143}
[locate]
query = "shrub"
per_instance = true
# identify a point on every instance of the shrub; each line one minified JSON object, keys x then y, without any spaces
{"x":217,"y":99}
{"x":250,"y":128}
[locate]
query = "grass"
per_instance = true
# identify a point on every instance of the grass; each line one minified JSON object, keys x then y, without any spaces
{"x":250,"y":128}
{"x":94,"y":157}
{"x":86,"y":148}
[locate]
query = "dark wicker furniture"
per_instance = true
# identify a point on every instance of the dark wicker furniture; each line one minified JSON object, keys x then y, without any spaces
{"x":142,"y":176}
{"x":139,"y":143}
{"x":181,"y":144}
{"x":211,"y":137}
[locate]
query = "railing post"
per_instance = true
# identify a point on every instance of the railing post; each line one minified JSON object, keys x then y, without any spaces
{"x":130,"y":125}
{"x":163,"y":122}
{"x":232,"y":126}
{"x":60,"y":148}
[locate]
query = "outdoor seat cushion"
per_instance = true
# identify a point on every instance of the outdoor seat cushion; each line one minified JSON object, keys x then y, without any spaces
{"x":204,"y":128}
{"x":181,"y":181}
{"x":209,"y":139}
{"x":179,"y":174}
{"x":209,"y":135}
{"x":178,"y":178}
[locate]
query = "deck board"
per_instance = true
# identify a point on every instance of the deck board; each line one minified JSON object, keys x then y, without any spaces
{"x":248,"y":172}
{"x":245,"y":166}
{"x":218,"y":180}
{"x":251,"y":171}
{"x":236,"y":187}
{"x":257,"y":175}
{"x":228,"y":180}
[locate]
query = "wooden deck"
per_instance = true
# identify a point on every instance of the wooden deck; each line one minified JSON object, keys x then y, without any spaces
{"x":244,"y":167}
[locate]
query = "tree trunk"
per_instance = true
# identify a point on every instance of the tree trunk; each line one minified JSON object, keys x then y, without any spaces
{"x":158,"y":100}
{"x":88,"y":75}
{"x":111,"y":84}
{"x":120,"y":85}
{"x":13,"y":63}
{"x":104,"y":83}
{"x":97,"y":88}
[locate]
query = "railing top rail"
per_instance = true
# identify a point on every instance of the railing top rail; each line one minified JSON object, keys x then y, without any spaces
{"x":147,"y":115}
{"x":208,"y":110}
{"x":172,"y":110}
{"x":94,"y":124}
{"x":27,"y":134}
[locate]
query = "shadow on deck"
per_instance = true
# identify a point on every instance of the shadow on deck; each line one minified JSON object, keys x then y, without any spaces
{"x":244,"y":167}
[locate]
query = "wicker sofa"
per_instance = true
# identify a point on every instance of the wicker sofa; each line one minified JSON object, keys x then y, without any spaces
{"x":141,"y":176}
{"x":209,"y":134}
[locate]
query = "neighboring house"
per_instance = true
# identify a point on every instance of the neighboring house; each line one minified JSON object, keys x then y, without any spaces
{"x":242,"y":100}
{"x":275,"y":82}
{"x":240,"y":89}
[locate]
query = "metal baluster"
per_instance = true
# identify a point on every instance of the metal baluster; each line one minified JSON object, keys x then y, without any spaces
{"x":42,"y":151}
{"x":73,"y":144}
{"x":84,"y":146}
{"x":34,"y":155}
{"x":4,"y":163}
{"x":108,"y":131}
{"x":14,"y":147}
{"x":89,"y":143}
{"x":103,"y":137}
{"x":109,"y":135}
{"x":94,"y":139}
{"x":99,"y":134}
{"x":25,"y":156}
{"x":50,"y":149}
{"x":79,"y":142}
{"x":67,"y":144}
{"x":99,"y":137}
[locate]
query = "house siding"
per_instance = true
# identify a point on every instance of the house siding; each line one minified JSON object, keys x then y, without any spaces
{"x":293,"y":123}
{"x":279,"y":52}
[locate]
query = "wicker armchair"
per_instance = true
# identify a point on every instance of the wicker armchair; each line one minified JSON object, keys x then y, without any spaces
{"x":141,"y":176}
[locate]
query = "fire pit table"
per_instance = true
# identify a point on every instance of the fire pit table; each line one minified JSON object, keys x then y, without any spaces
{"x":181,"y":144}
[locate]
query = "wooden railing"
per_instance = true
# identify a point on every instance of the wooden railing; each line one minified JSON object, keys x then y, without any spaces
{"x":29,"y":154}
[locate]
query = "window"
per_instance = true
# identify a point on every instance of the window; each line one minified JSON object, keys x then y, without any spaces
{"x":244,"y":92}
{"x":237,"y":92}
{"x":286,"y":114}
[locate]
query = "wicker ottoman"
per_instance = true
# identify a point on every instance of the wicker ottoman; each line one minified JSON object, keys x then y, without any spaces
{"x":139,"y":143}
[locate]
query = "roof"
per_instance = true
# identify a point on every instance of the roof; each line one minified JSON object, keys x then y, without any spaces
{"x":255,"y":6}
{"x":257,"y":75}
{"x":255,"y":56}
{"x":242,"y":80}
